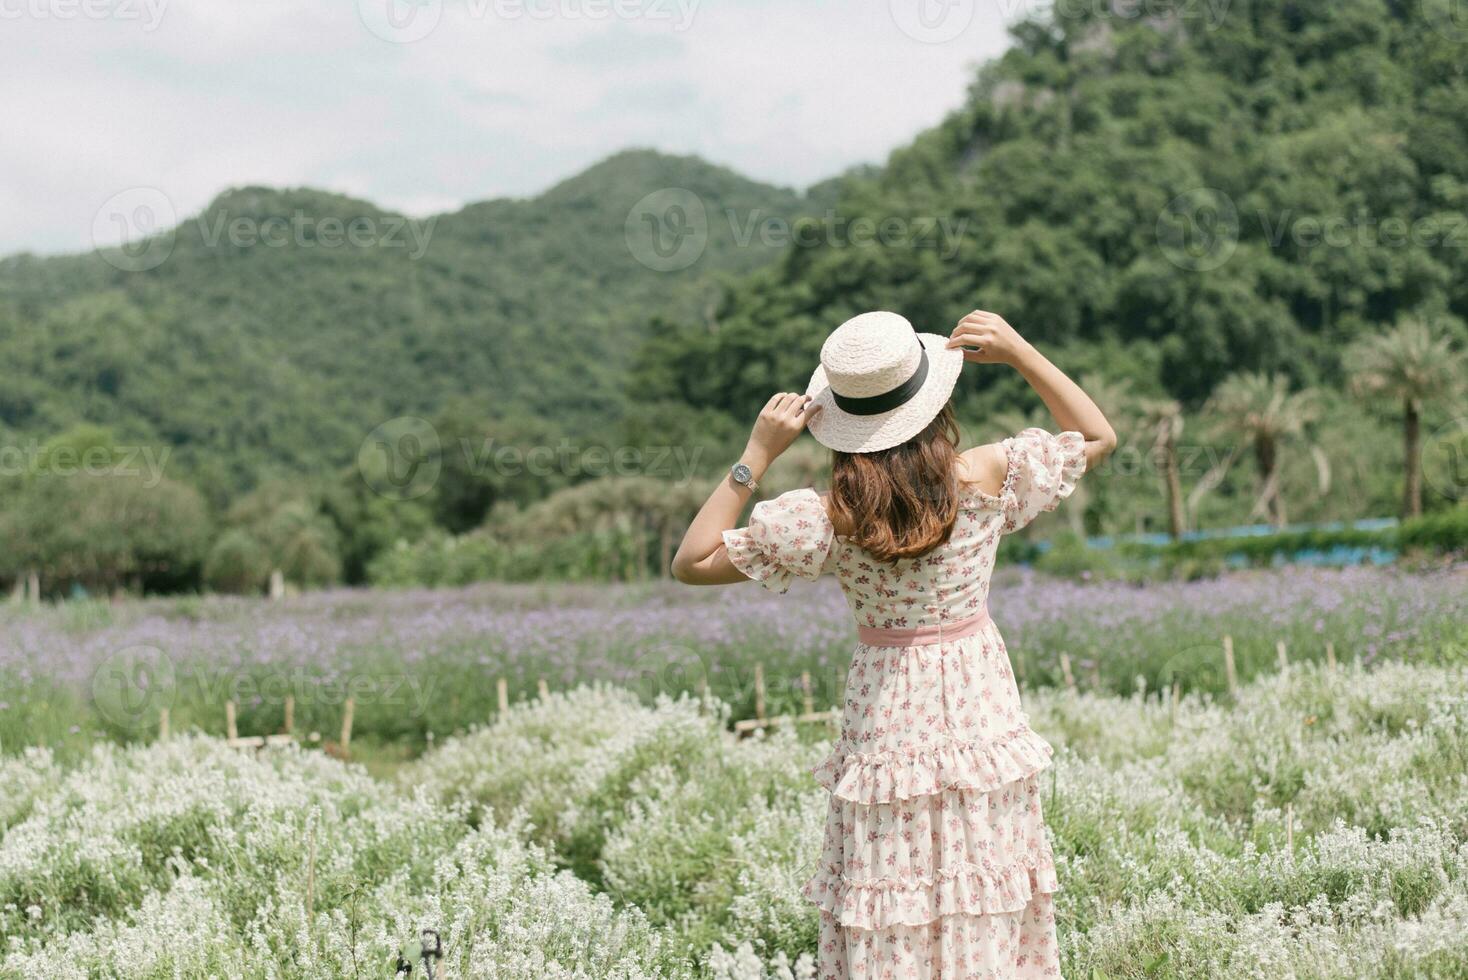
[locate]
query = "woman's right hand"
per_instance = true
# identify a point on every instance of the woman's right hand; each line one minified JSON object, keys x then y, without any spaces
{"x":782,"y":419}
{"x":993,"y":339}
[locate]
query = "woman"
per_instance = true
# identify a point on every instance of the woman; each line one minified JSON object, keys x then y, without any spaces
{"x":935,"y":858}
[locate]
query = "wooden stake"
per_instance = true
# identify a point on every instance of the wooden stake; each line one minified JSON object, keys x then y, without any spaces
{"x":348,"y":709}
{"x":1330,"y":655}
{"x":759,"y":691}
{"x":502,"y":691}
{"x":1283,"y":654}
{"x":230,"y":731}
{"x":1096,"y":675}
{"x":311,"y":874}
{"x":163,"y":725}
{"x":542,"y":688}
{"x":290,"y":714}
{"x":1228,"y":666}
{"x":1070,"y":680}
{"x":807,"y":701}
{"x":1177,"y":694}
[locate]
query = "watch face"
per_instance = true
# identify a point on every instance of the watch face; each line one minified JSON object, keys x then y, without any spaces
{"x":741,"y":473}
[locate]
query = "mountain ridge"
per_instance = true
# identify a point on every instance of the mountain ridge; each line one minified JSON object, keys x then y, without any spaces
{"x":308,"y":341}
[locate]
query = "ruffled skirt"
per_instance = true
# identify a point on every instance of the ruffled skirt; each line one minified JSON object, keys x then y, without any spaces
{"x":935,"y":863}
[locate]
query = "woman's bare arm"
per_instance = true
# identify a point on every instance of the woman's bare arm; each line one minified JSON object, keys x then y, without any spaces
{"x":988,"y":339}
{"x":701,"y":559}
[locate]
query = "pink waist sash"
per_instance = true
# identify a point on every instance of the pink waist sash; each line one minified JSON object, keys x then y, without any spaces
{"x":874,"y":636}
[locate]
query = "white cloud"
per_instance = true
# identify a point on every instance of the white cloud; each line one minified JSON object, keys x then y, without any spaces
{"x":501,"y":98}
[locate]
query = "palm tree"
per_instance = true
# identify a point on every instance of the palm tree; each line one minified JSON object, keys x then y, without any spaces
{"x":1262,"y":411}
{"x":1408,"y":366}
{"x":1164,"y":417}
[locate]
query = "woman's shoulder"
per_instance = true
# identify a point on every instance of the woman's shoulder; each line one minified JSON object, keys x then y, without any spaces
{"x":984,"y":468}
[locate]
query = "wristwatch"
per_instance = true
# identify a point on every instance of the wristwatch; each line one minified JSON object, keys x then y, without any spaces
{"x":743,"y":476}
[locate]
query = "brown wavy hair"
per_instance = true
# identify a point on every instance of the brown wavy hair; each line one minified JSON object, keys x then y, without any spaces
{"x":900,"y":502}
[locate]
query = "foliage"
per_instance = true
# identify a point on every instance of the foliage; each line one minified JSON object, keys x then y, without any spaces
{"x":1163,"y":200}
{"x":1444,"y":532}
{"x":265,"y":355}
{"x":1313,"y":826}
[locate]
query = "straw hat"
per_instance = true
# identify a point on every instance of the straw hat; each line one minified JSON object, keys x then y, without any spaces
{"x":880,"y":383}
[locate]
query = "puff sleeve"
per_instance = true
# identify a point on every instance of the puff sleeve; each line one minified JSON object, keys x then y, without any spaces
{"x":1043,"y":471}
{"x":788,"y":536}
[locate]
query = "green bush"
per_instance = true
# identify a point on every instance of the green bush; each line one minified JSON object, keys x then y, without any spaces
{"x":237,"y":563}
{"x":1068,"y":557}
{"x":1444,"y":532}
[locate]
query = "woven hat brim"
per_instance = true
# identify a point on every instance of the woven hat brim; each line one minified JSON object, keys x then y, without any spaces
{"x":849,"y":433}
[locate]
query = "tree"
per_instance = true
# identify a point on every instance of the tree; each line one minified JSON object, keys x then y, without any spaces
{"x":237,"y":563}
{"x":1164,"y":417}
{"x":1261,"y":411}
{"x":1410,"y":366}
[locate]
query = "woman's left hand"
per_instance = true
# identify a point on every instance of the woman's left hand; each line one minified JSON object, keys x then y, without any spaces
{"x":993,"y":339}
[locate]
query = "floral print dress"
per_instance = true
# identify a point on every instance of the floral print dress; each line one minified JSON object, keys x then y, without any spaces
{"x":935,"y":861}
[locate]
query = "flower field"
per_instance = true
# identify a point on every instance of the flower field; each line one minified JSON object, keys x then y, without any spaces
{"x":422,"y":664}
{"x":1314,"y":824}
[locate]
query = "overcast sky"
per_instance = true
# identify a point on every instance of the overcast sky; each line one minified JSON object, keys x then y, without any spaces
{"x":424,"y":105}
